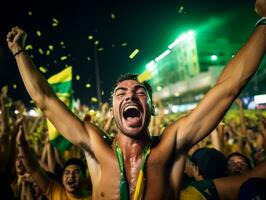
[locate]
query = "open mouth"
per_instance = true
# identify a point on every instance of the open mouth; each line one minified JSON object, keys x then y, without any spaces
{"x":131,"y":112}
{"x":71,"y":183}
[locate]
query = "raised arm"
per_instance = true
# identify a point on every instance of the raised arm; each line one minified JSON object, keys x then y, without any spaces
{"x":205,"y":117}
{"x":30,"y":163}
{"x":40,"y":91}
{"x":228,"y":187}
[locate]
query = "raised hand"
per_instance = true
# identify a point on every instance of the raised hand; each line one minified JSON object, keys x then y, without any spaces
{"x":21,"y":140}
{"x":16,"y":39}
{"x":260,"y":7}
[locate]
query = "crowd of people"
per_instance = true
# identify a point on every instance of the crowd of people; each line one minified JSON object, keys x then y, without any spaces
{"x":236,"y":146}
{"x":129,"y":149}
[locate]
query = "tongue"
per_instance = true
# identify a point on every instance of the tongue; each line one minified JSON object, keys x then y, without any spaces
{"x":133,"y":121}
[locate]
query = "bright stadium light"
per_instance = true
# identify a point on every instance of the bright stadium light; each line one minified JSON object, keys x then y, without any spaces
{"x":185,"y":36}
{"x":160,"y":57}
{"x":214,"y":57}
{"x":151,"y":65}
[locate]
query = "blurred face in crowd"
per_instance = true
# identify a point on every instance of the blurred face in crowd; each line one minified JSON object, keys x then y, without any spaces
{"x":132,"y":107}
{"x":20,"y":169}
{"x":237,"y":165}
{"x":72,"y":178}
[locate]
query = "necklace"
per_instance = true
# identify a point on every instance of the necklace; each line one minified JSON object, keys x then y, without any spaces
{"x":123,"y":187}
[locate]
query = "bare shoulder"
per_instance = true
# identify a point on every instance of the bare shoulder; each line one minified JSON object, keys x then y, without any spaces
{"x":98,"y":146}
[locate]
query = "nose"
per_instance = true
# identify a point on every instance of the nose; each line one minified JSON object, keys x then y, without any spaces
{"x":131,"y":96}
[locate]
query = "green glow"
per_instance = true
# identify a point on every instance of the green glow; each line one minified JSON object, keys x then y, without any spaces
{"x":214,"y":57}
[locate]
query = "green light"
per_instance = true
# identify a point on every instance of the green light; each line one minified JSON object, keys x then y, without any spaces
{"x":151,"y":66}
{"x":160,"y":57}
{"x":214,"y":57}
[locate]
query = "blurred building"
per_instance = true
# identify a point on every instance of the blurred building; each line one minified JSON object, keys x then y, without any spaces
{"x":189,"y":68}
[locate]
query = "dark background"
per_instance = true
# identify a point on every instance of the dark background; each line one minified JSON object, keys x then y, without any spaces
{"x":149,"y":26}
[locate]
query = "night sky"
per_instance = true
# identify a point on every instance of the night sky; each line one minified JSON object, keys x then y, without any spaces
{"x":120,"y":27}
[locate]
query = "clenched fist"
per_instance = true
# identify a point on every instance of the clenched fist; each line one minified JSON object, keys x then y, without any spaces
{"x":260,"y":8}
{"x":16,"y":39}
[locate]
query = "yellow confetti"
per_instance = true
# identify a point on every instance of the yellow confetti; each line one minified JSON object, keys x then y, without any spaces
{"x":29,"y":13}
{"x":112,"y":15}
{"x":51,"y":47}
{"x":94,"y":99}
{"x":40,"y":51}
{"x":15,"y":86}
{"x":96,"y":42}
{"x":28,"y":47}
{"x":124,"y":44}
{"x":89,"y":58}
{"x":90,"y":37}
{"x":43,"y":69}
{"x":134,"y":53}
{"x":101,"y":49}
{"x":31,"y":101}
{"x":38,"y":33}
{"x":63,"y":58}
{"x":88,"y":85}
{"x":146,"y":75}
{"x":54,"y":24}
{"x":62,"y":43}
{"x":77,"y":77}
{"x":55,"y":20}
{"x":48,"y":52}
{"x":102,"y":92}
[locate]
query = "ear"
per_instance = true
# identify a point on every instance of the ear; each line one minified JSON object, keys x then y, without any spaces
{"x":111,"y":112}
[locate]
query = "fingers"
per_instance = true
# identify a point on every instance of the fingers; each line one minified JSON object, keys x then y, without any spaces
{"x":15,"y":32}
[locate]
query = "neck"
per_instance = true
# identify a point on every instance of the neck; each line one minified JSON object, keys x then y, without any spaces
{"x":131,"y":147}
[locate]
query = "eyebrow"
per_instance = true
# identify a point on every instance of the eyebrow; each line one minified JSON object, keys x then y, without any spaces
{"x":135,"y":87}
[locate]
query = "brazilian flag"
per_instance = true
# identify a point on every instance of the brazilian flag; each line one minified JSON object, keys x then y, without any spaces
{"x":61,"y":84}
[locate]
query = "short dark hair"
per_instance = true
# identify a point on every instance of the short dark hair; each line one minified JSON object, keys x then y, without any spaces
{"x":130,"y":76}
{"x":75,"y":161}
{"x":211,"y":162}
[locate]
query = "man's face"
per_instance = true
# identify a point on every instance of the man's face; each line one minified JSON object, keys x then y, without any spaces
{"x":72,"y":178}
{"x":131,"y":107}
{"x":20,"y":167}
{"x":237,"y":165}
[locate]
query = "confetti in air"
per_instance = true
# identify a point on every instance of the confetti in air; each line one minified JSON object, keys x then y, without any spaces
{"x":28,"y":47}
{"x":55,"y":22}
{"x":124,"y":44}
{"x":94,"y":99}
{"x":90,"y":37}
{"x":48,"y":52}
{"x":77,"y":77}
{"x":96,"y":42}
{"x":112,"y":15}
{"x":51,"y":47}
{"x":15,"y":86}
{"x":43,"y":69}
{"x":134,"y":53}
{"x":30,"y":13}
{"x":88,"y":85}
{"x":63,"y":58}
{"x":39,"y":34}
{"x":146,"y":75}
{"x":40,"y":51}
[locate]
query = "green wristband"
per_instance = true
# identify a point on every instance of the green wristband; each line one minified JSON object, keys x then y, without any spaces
{"x":261,"y":21}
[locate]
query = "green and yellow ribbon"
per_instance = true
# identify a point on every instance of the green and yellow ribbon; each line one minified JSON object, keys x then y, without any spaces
{"x":123,"y":187}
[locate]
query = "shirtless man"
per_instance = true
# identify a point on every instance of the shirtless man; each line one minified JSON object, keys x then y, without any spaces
{"x":132,"y":108}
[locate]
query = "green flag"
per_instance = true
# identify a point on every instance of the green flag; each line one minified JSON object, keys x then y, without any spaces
{"x":61,"y":84}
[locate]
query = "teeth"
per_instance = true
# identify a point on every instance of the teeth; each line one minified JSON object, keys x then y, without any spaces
{"x":130,"y":107}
